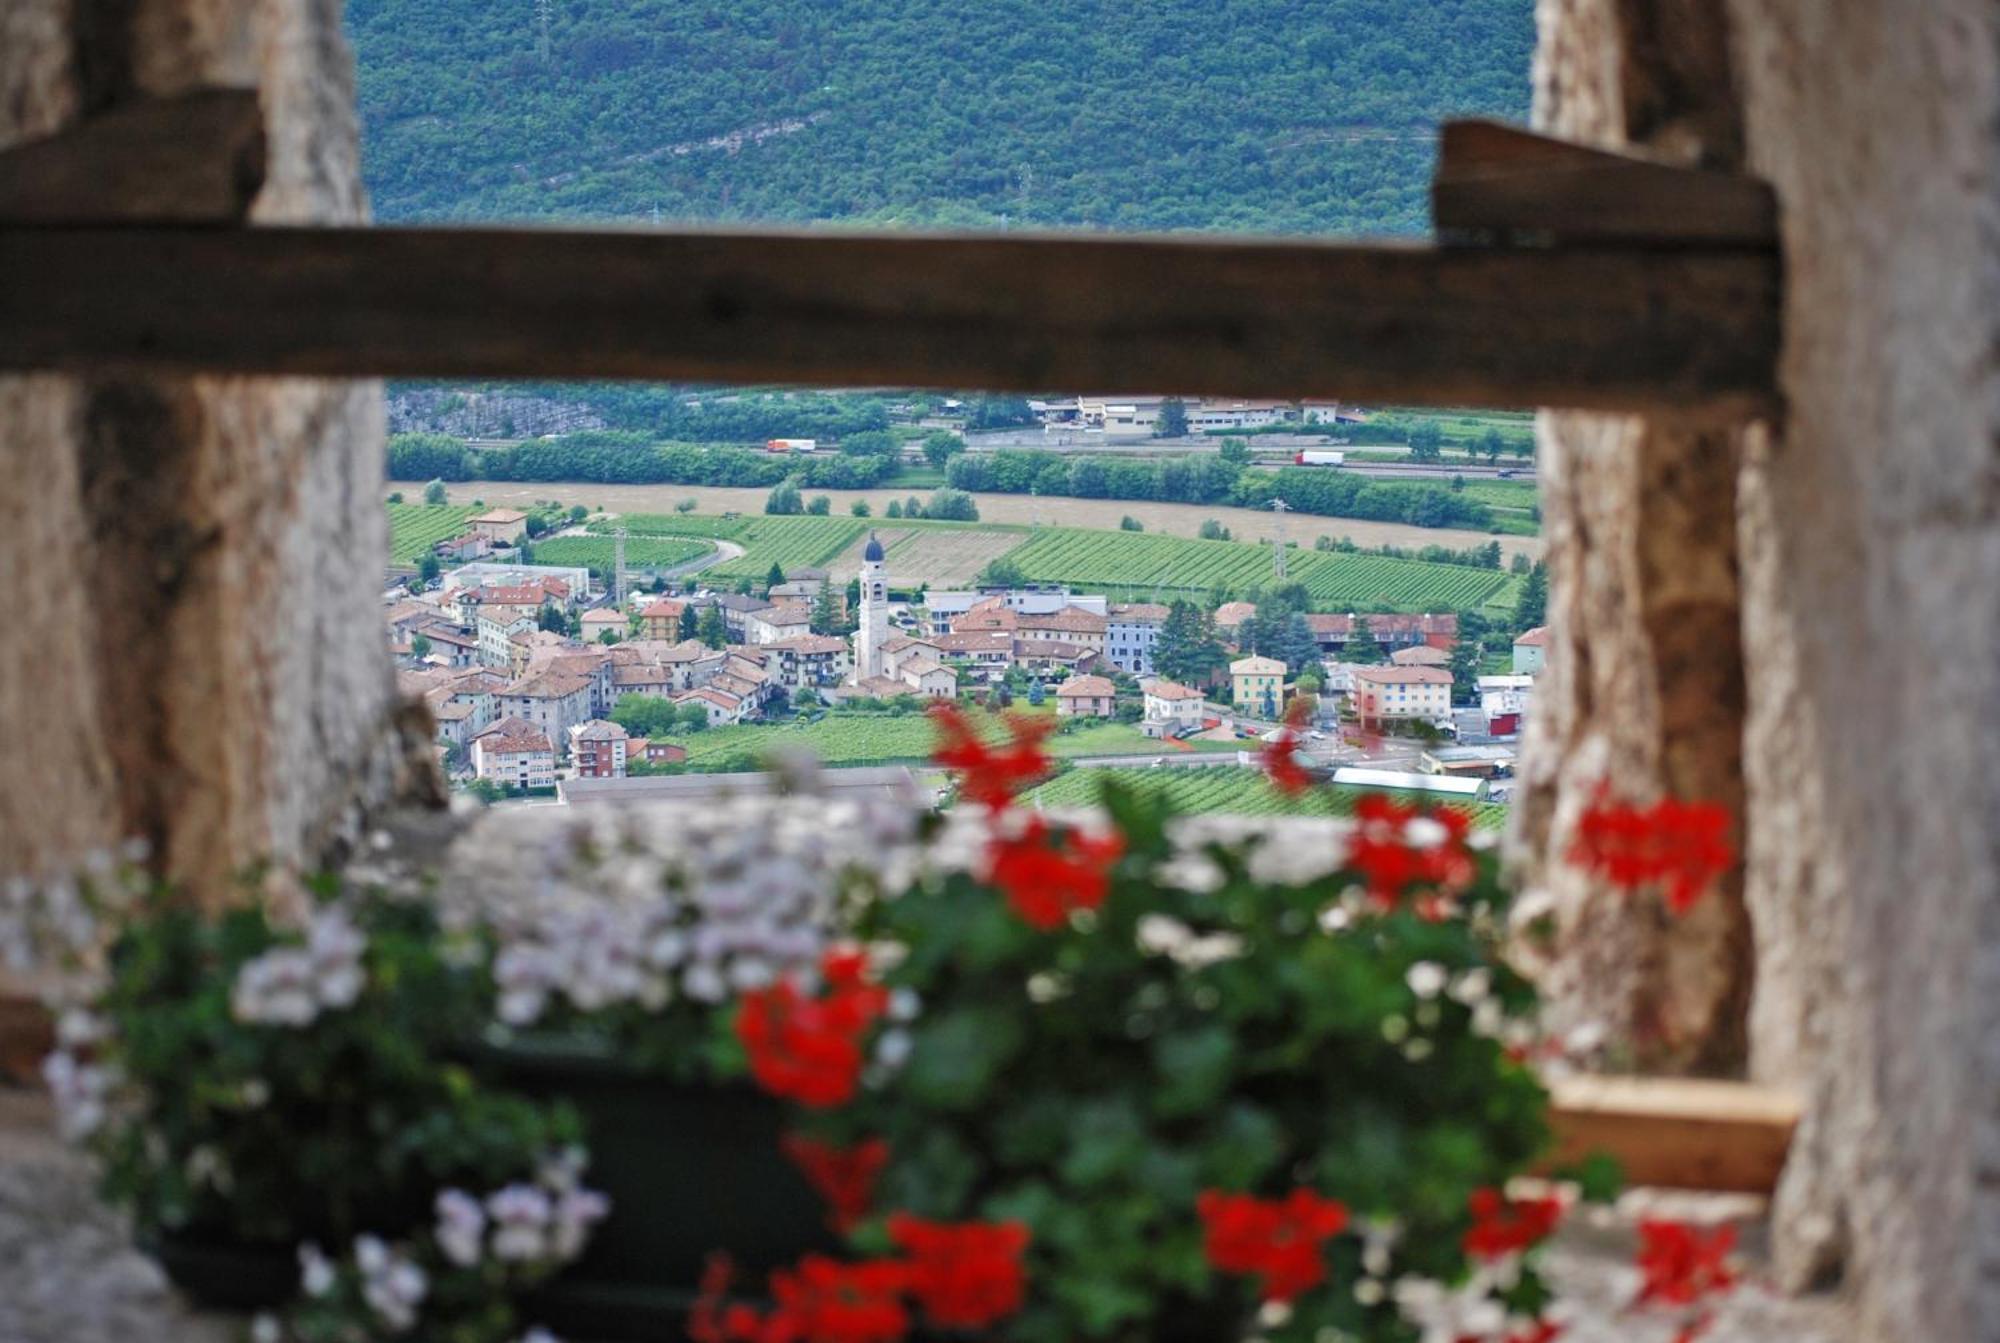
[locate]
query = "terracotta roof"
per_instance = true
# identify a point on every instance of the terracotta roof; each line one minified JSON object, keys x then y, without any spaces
{"x":598,"y":730}
{"x":1139,"y":611}
{"x":528,"y":594}
{"x":642,"y":674}
{"x":603,"y":615}
{"x":451,"y":710}
{"x":1051,"y":648}
{"x":998,"y":619}
{"x":1086,"y":687}
{"x":1234,"y":613}
{"x":816,"y":643}
{"x":1403,"y":675}
{"x":786,"y":613}
{"x":1338,"y":626}
{"x":720,"y":698}
{"x":1445,"y":623}
{"x":1420,"y":655}
{"x":881,"y":687}
{"x":549,"y":684}
{"x":895,"y":645}
{"x":1534,"y":638}
{"x":1069,"y":620}
{"x":1172,"y":690}
{"x":512,"y":736}
{"x":974,"y":641}
{"x":1256,"y":666}
{"x":924,"y":667}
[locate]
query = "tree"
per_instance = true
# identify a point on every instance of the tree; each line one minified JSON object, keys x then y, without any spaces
{"x":552,"y":620}
{"x":1520,"y":564}
{"x":1532,"y":608}
{"x":775,"y":577}
{"x":428,"y":568}
{"x":941,"y":447}
{"x":1235,"y":451}
{"x":486,"y":790}
{"x":1523,"y":446}
{"x":687,"y":505}
{"x":1002,"y":573}
{"x":694,"y":716}
{"x":913,"y":507}
{"x":1173,"y":422}
{"x":1036,"y":694}
{"x":999,"y":412}
{"x":825,"y":611}
{"x":1293,"y":643}
{"x":1211,"y":530}
{"x":952,"y":506}
{"x":711,"y":629}
{"x":820,"y":506}
{"x":690,"y":623}
{"x":895,"y":510}
{"x":1128,"y":523}
{"x":1489,"y":555}
{"x":1466,"y":658}
{"x":578,"y":514}
{"x":1187,"y":649}
{"x":1491,"y":445}
{"x":420,"y":648}
{"x":859,"y":508}
{"x":434,"y":493}
{"x":784,"y":500}
{"x":1426,"y":441}
{"x":395,"y":496}
{"x":1361,"y":648}
{"x":871,"y":443}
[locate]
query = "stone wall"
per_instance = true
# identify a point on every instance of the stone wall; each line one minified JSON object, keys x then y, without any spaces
{"x":1871,"y":543}
{"x":1859,"y":539}
{"x":1643,"y":692}
{"x":193,"y":655}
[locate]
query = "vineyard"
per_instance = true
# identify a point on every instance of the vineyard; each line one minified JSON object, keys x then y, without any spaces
{"x":415,"y":528}
{"x":641,"y":552}
{"x":1143,"y":563}
{"x":1228,"y":789}
{"x":788,"y":542}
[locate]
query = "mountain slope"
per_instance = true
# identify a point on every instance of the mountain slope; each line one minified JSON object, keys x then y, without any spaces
{"x":1244,"y":115}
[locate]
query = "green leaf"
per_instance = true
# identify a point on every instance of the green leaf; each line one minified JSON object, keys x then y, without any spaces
{"x":1195,"y":1068}
{"x":956,"y":1057}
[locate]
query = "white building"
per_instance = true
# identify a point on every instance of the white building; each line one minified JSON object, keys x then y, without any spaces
{"x":1499,"y":695}
{"x":874,"y":626}
{"x":514,"y":754}
{"x":1383,"y":694}
{"x":1172,"y":706}
{"x":554,"y":701}
{"x":488,"y":575}
{"x":1131,"y":634}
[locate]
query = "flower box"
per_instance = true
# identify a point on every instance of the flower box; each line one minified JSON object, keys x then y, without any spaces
{"x":691,"y":1170}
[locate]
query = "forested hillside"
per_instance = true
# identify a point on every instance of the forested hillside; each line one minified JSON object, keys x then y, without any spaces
{"x":1257,"y":115}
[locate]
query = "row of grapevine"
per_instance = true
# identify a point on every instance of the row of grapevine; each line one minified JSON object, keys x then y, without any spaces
{"x":415,"y":528}
{"x":641,"y":552}
{"x":1231,"y":789}
{"x":671,"y":524}
{"x":790,"y":543}
{"x":1135,"y":562}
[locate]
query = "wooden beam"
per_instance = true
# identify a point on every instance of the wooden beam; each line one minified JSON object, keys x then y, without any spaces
{"x":193,"y":159}
{"x":1497,"y":182}
{"x":1680,"y":1133}
{"x":1597,"y":328}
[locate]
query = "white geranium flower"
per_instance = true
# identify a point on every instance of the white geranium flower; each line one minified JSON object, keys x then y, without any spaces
{"x":520,"y":1214}
{"x":1427,"y":979}
{"x":461,"y":1227}
{"x":316,"y":1272}
{"x":576,"y":1212}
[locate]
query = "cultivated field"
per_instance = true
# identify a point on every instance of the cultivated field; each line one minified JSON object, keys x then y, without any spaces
{"x":1228,"y":789}
{"x":641,"y":552}
{"x":941,"y":556}
{"x":1170,"y":519}
{"x":415,"y":528}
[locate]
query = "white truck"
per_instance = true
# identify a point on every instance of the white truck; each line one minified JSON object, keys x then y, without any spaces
{"x":1319,"y":457}
{"x":791,"y":445}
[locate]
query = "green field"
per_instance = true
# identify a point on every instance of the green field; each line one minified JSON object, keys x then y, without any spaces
{"x":1139,"y":562}
{"x":879,"y":738}
{"x":641,"y":552}
{"x":1229,"y":789}
{"x":788,"y":542}
{"x":415,"y":528}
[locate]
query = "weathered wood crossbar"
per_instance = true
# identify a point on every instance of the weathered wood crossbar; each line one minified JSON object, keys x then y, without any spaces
{"x":1606,"y":327}
{"x":1677,"y":1132}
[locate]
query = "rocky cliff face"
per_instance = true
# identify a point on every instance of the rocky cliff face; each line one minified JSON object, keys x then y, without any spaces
{"x":193,"y":656}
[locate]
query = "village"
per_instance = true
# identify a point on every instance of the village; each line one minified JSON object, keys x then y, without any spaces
{"x":539,"y":678}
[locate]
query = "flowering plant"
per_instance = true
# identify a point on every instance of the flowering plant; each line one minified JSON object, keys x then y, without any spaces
{"x":1169,"y":1073}
{"x":252,"y":1081}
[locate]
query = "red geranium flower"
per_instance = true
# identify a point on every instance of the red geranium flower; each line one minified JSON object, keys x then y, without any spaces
{"x":1277,"y":1240}
{"x":1503,"y":1226}
{"x":1381,"y":849}
{"x":1279,"y":756}
{"x":1682,"y":847}
{"x":843,"y":1176}
{"x":1681,"y":1265}
{"x":966,"y":1275}
{"x":808,"y":1049}
{"x":1046,"y":873}
{"x":991,"y":774}
{"x":825,"y":1301}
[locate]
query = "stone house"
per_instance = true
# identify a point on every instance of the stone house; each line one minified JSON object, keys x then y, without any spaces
{"x":1086,"y":697}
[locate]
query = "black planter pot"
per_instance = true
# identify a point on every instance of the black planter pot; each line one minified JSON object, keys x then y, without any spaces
{"x":690,"y":1170}
{"x":221,"y":1276}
